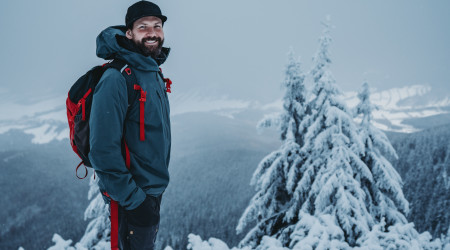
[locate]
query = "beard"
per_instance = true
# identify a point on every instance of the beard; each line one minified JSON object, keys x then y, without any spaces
{"x":153,"y":51}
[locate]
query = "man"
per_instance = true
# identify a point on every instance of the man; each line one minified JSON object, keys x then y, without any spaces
{"x":130,"y":141}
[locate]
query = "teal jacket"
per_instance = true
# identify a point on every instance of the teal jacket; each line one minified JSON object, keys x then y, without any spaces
{"x":113,"y":119}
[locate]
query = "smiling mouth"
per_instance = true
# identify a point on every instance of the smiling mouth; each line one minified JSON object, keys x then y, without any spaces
{"x":151,"y":42}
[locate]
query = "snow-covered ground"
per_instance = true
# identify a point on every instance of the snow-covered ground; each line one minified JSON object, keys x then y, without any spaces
{"x":46,"y":120}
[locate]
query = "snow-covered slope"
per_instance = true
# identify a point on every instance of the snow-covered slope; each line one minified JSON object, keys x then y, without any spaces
{"x":399,"y":104}
{"x":46,"y":119}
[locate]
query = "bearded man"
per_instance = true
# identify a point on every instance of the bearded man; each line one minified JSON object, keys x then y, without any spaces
{"x":130,"y":141}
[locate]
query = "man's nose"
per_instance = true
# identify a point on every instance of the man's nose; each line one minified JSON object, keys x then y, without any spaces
{"x":151,"y":32}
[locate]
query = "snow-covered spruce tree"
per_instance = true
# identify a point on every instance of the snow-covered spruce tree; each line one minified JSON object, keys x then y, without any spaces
{"x":97,"y":234}
{"x":329,"y":201}
{"x":384,"y":195}
{"x":268,"y":206}
{"x":309,"y":192}
{"x":294,"y":100}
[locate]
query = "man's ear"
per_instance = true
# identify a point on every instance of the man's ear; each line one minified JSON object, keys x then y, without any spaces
{"x":128,"y":34}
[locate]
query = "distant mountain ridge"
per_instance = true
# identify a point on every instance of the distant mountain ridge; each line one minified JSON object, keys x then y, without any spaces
{"x":405,"y":109}
{"x":398,"y":105}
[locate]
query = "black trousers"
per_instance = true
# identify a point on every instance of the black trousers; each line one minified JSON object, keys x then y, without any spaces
{"x":138,"y":228}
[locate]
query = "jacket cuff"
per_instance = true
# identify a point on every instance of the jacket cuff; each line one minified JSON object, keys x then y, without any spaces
{"x":138,"y":199}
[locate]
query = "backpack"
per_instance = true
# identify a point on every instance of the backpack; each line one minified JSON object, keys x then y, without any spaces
{"x":79,"y":102}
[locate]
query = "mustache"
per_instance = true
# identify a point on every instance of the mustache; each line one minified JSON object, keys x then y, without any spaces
{"x":158,"y":39}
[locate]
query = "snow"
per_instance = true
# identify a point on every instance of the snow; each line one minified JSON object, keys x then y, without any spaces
{"x":196,"y":243}
{"x":42,"y":134}
{"x":319,"y":239}
{"x":6,"y":128}
{"x":63,"y":134}
{"x":390,"y":98}
{"x":43,"y":119}
{"x":277,"y":105}
{"x":61,"y":244}
{"x":390,"y":109}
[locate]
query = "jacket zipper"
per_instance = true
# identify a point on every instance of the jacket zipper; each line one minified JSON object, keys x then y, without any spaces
{"x":164,"y":112}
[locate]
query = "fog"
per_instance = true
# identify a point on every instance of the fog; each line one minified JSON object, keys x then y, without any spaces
{"x":230,"y":48}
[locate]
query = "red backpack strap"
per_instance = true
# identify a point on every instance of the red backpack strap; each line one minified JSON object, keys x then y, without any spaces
{"x":85,"y":169}
{"x":82,"y":102}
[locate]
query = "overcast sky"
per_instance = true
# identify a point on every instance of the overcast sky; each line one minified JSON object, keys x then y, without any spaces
{"x":235,"y":48}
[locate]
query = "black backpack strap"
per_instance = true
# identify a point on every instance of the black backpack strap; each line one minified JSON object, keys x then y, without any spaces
{"x":129,"y":76}
{"x":161,"y":74}
{"x":133,"y":89}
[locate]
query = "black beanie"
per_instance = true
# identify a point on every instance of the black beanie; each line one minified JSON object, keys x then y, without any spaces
{"x":142,"y":9}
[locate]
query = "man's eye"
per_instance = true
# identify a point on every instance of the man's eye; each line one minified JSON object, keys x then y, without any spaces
{"x":142,"y":27}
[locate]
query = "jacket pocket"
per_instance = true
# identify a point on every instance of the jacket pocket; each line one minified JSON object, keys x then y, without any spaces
{"x":142,"y":237}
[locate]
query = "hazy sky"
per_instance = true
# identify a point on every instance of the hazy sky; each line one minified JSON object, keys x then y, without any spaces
{"x":236,"y":48}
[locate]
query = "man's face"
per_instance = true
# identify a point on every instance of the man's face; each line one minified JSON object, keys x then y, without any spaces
{"x":148,"y":35}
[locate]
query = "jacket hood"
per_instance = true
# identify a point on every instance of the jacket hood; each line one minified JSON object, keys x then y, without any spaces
{"x":112,"y":43}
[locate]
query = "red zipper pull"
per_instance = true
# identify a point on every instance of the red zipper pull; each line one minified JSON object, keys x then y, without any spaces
{"x":141,"y":111}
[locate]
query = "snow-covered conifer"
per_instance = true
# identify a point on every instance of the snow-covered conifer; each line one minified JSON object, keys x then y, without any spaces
{"x":293,"y":101}
{"x":97,"y":234}
{"x":268,"y":206}
{"x":384,"y":194}
{"x":327,"y":187}
{"x":317,"y":190}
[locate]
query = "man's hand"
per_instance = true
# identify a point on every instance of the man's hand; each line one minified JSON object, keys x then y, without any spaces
{"x":146,"y":214}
